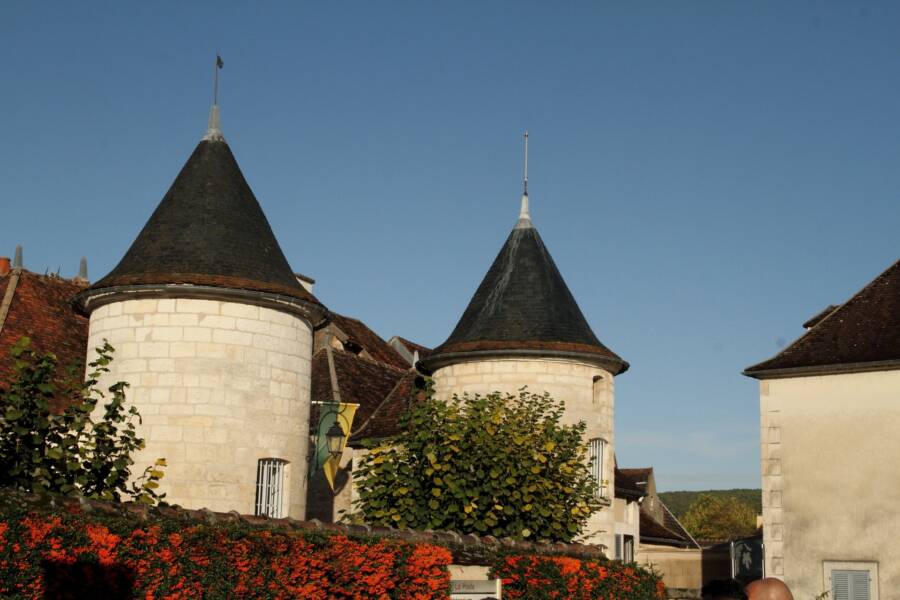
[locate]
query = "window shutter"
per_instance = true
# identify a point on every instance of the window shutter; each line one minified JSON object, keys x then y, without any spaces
{"x":840,"y":585}
{"x":859,"y":585}
{"x":618,"y":547}
{"x":850,"y":585}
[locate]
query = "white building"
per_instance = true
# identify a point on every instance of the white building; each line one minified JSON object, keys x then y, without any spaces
{"x":830,"y":417}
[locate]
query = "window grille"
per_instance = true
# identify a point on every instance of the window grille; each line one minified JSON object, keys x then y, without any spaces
{"x":270,"y":488}
{"x":597,"y":450}
{"x":850,"y":585}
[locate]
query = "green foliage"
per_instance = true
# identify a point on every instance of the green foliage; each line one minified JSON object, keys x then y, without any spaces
{"x":719,"y":518}
{"x":680,"y":502}
{"x":78,"y":451}
{"x":499,"y":464}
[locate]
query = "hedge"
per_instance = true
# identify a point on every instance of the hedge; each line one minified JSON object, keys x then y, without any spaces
{"x":545,"y":577}
{"x":60,"y":548}
{"x":73,"y":554}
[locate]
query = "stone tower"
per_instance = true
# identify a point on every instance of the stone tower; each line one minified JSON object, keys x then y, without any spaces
{"x":213,"y":333}
{"x":524,"y":328}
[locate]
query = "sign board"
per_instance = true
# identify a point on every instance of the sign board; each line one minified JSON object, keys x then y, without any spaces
{"x":472,"y":589}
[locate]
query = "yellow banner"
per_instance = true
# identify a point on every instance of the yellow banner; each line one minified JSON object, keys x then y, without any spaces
{"x":345,"y":416}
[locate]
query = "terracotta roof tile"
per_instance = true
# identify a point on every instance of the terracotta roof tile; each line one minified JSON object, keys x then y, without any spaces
{"x":369,"y":341}
{"x":423,"y":351}
{"x":372,"y":385}
{"x":42,"y":310}
{"x":861,"y":334}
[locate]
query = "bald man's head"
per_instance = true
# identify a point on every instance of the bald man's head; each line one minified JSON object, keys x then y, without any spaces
{"x":769,"y":589}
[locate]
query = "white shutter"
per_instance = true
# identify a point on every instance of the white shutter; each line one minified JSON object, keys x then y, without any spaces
{"x":859,"y":585}
{"x":850,"y":585}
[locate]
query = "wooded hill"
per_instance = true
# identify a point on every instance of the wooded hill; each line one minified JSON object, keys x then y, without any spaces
{"x":680,"y":502}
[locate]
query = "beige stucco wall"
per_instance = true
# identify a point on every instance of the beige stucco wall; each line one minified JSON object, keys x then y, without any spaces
{"x":830,"y":454}
{"x":568,"y":380}
{"x":219,"y":385}
{"x":680,"y":567}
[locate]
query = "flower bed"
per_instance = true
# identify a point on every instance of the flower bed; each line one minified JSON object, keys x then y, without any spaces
{"x":76,"y":554}
{"x":545,"y":577}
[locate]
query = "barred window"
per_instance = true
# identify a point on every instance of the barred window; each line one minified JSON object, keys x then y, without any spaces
{"x":597,"y":451}
{"x":270,"y":487}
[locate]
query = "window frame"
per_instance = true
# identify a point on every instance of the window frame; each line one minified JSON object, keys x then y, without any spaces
{"x":830,"y":566}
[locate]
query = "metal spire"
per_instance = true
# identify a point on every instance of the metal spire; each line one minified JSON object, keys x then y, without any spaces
{"x":82,"y":269}
{"x":214,"y":128}
{"x":524,"y":215}
{"x":525,"y":193}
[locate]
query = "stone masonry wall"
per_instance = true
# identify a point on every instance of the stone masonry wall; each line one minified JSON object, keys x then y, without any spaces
{"x":587,"y":399}
{"x":219,"y":385}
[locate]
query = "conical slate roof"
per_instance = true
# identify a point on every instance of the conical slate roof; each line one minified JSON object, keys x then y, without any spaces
{"x":209,"y":230}
{"x":863,"y":334}
{"x":523,"y":307}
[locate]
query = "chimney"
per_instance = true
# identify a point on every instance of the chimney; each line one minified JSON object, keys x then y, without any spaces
{"x":17,"y":261}
{"x":4,"y":265}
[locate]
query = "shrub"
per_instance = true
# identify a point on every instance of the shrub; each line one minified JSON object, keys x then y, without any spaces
{"x":76,"y":451}
{"x":73,"y":554}
{"x":503,"y":465}
{"x":546,"y":577}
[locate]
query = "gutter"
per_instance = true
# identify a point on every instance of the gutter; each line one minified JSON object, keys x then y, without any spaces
{"x":833,"y":369}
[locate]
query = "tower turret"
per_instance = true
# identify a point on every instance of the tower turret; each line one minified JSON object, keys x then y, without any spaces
{"x":214,"y":334}
{"x":522,"y":328}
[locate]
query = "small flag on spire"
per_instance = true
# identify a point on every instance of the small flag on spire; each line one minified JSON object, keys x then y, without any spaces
{"x":219,"y":62}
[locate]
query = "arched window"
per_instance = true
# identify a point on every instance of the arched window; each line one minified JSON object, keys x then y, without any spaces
{"x":270,"y":487}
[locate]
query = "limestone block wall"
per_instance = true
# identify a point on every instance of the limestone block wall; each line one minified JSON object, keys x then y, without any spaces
{"x":588,"y":391}
{"x":219,"y":385}
{"x":829,"y":461}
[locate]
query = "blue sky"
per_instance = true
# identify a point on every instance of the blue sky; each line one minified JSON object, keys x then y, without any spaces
{"x":707,"y":175}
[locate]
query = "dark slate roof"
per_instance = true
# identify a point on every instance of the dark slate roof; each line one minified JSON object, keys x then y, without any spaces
{"x":523,"y":304}
{"x":209,"y":230}
{"x":42,"y":310}
{"x":862,"y":334}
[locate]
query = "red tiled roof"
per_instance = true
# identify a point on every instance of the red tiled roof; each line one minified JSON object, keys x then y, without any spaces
{"x":42,"y":310}
{"x":414,"y":347}
{"x":863,"y":334}
{"x":632,"y":483}
{"x":668,"y":534}
{"x":369,"y":341}
{"x":382,"y":392}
